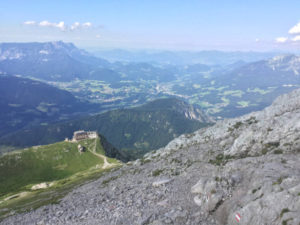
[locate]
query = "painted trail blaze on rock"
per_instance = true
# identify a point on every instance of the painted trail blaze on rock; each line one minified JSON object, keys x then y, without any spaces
{"x":238,"y":217}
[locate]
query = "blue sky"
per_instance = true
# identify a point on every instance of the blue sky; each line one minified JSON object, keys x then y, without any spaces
{"x":156,"y":24}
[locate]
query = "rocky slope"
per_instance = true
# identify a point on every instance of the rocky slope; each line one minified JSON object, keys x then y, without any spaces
{"x":246,"y":168}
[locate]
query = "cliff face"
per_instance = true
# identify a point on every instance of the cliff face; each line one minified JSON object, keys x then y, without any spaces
{"x":245,"y":169}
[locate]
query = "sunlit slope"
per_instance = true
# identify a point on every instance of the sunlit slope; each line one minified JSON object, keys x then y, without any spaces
{"x":20,"y":170}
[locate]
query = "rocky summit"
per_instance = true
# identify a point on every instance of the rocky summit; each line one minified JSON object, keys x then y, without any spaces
{"x":239,"y":171}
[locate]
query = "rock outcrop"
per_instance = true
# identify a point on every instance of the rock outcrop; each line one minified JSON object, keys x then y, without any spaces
{"x":240,"y":171}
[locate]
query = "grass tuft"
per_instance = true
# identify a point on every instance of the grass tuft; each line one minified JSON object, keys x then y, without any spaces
{"x":156,"y":173}
{"x":283,"y":211}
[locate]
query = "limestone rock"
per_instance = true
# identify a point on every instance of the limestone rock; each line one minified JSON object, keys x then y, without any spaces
{"x":160,"y":182}
{"x":204,"y":186}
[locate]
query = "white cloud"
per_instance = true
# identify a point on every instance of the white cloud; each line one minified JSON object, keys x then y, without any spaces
{"x":295,"y":29}
{"x":297,"y":38}
{"x":294,"y":35}
{"x":281,"y":39}
{"x":87,"y":24}
{"x":45,"y":23}
{"x":257,"y":40}
{"x":78,"y":25}
{"x":98,"y":36}
{"x":61,"y":25}
{"x":30,"y":22}
{"x":75,"y":26}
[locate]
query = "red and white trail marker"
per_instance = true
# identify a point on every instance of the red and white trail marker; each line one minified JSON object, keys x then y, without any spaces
{"x":238,"y":217}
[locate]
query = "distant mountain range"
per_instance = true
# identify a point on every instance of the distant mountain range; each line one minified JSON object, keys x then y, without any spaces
{"x":49,"y":61}
{"x":277,"y":71}
{"x":59,"y":61}
{"x":182,"y":57}
{"x":25,"y":102}
{"x":242,"y":82}
{"x":135,"y":131}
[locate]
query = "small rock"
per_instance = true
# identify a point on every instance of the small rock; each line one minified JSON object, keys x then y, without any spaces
{"x":161,"y":182}
{"x":204,"y":186}
{"x":198,"y":200}
{"x":163,"y":203}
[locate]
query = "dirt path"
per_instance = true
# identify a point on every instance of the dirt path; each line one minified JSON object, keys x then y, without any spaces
{"x":106,"y":163}
{"x":19,"y":195}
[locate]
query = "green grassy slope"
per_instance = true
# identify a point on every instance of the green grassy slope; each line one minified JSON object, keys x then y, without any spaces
{"x":22,"y":169}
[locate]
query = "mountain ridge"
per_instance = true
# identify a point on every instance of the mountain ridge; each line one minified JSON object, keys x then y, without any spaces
{"x":25,"y":102}
{"x":182,"y":57}
{"x":139,"y":129}
{"x":277,"y":71}
{"x":47,"y":60}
